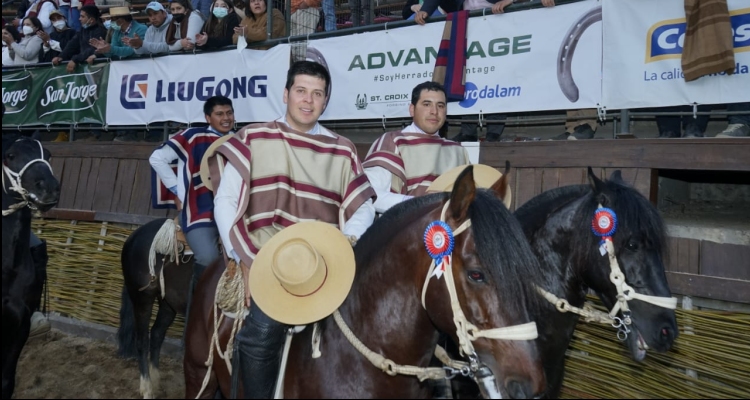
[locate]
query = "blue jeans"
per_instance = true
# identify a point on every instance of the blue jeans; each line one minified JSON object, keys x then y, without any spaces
{"x":72,"y":17}
{"x":205,"y":244}
{"x":329,"y":10}
{"x":739,"y":119}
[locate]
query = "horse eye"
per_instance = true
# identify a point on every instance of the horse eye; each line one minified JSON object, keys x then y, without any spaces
{"x":476,"y":276}
{"x":10,"y":156}
{"x":631,"y":245}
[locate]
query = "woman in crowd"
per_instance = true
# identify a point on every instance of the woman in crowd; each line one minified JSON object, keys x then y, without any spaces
{"x":13,"y":36}
{"x":55,"y":42}
{"x":253,"y":26}
{"x":186,"y":23}
{"x":29,"y":49}
{"x":219,"y":29}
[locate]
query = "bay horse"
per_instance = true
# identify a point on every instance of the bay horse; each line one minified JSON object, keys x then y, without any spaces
{"x":493,"y":268}
{"x":139,"y":293}
{"x":28,"y":184}
{"x":558,"y":224}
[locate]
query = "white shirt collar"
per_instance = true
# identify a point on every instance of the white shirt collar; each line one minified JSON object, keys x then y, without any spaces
{"x":314,"y":131}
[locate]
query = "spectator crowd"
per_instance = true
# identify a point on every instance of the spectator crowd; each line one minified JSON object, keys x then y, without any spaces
{"x":74,"y":32}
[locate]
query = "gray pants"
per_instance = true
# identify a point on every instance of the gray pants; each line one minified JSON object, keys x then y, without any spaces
{"x":205,"y":244}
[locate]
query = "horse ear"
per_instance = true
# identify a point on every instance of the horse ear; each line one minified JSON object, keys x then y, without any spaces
{"x":464,"y":191}
{"x":599,"y":188}
{"x":616,"y":176}
{"x":500,"y":188}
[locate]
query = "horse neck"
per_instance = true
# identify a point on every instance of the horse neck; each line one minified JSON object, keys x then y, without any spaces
{"x":384,"y":307}
{"x":554,"y":244}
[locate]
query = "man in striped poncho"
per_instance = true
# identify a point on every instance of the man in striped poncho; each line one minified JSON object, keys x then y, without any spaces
{"x":194,"y":201}
{"x":272,"y":175}
{"x":402,"y":164}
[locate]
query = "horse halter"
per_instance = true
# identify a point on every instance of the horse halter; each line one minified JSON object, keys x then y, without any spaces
{"x":465,"y":330}
{"x":604,"y":225}
{"x":15,"y":183}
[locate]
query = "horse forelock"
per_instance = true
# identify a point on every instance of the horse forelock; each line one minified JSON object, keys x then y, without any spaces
{"x":504,"y":251}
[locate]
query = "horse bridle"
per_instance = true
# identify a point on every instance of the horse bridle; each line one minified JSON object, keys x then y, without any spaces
{"x":465,"y":330}
{"x":625,"y":293}
{"x":15,"y":183}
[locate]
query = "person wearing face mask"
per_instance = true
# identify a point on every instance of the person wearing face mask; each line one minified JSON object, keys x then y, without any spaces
{"x":253,"y":26}
{"x":218,"y":30}
{"x":123,"y":26}
{"x":29,"y":49}
{"x":55,"y":42}
{"x":78,"y":50}
{"x":41,"y":9}
{"x":186,"y":23}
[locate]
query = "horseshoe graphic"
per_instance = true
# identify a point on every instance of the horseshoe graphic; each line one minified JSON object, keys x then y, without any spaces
{"x":567,"y":50}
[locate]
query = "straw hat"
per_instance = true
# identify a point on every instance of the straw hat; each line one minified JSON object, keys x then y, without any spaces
{"x":484,"y":177}
{"x":205,"y":173}
{"x":119,"y":12}
{"x":303,"y":273}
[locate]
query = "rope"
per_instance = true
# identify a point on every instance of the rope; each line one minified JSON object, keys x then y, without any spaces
{"x":165,"y":242}
{"x":588,"y":312}
{"x":386,"y":365}
{"x":15,"y":184}
{"x":230,"y":297}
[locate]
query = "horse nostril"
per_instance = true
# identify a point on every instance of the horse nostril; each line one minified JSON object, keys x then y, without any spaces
{"x":518,"y":390}
{"x":667,"y":334}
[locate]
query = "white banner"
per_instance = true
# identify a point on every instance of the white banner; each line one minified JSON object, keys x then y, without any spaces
{"x":174,"y":88}
{"x":643,"y":42}
{"x":516,"y":62}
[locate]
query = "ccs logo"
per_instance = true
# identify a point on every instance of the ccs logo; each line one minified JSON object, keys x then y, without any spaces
{"x":666,"y":38}
{"x":473,"y":93}
{"x":133,"y":91}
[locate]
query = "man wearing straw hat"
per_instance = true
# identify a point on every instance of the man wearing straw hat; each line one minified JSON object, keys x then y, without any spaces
{"x":123,"y":26}
{"x":276,"y":176}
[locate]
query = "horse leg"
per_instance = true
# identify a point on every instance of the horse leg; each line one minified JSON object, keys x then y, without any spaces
{"x":143,"y":304}
{"x":164,"y":318}
{"x":13,"y":342}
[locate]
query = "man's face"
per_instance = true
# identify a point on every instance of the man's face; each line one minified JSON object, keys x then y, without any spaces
{"x":221,"y":119}
{"x":430,"y":111}
{"x":85,"y":19}
{"x":305,"y":102}
{"x":121,"y":22}
{"x":156,"y":18}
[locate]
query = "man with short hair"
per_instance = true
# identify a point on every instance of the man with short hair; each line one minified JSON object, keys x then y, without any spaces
{"x":79,"y":50}
{"x":195,"y":202}
{"x":277,"y":174}
{"x":155,"y":41}
{"x":402,"y":164}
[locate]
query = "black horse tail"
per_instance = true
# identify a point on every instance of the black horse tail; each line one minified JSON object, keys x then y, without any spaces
{"x":126,"y":332}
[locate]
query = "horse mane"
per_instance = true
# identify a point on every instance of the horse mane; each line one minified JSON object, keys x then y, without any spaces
{"x":498,"y":236}
{"x":535,"y":212}
{"x":9,"y":139}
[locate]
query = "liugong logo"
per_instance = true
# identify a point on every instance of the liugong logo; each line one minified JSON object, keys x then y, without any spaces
{"x":133,"y":91}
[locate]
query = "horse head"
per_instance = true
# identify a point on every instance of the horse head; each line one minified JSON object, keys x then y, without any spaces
{"x":639,"y":245}
{"x":27,"y":175}
{"x":492,"y":267}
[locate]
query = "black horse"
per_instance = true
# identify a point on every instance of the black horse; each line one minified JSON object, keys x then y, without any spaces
{"x":558,"y":224}
{"x":141,"y":290}
{"x":28,"y":184}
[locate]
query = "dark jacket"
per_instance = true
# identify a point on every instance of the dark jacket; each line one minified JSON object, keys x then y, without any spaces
{"x":64,"y":37}
{"x":217,"y":42}
{"x":79,"y":49}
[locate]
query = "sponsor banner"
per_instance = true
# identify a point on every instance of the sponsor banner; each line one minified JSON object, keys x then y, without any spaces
{"x":41,"y":96}
{"x":643,"y":42}
{"x":174,"y":88}
{"x":516,"y":62}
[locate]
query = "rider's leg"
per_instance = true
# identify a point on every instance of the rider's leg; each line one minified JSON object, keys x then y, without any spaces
{"x":260,"y":344}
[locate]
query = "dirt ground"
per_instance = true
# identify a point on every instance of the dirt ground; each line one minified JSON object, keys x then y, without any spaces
{"x":65,"y":367}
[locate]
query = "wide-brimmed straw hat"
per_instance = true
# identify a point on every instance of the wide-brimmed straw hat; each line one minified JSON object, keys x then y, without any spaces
{"x":484,"y":177}
{"x":118,"y":12}
{"x":205,"y":173}
{"x":303,"y":273}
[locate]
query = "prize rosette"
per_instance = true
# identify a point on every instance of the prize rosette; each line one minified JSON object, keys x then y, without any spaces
{"x":439,"y":241}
